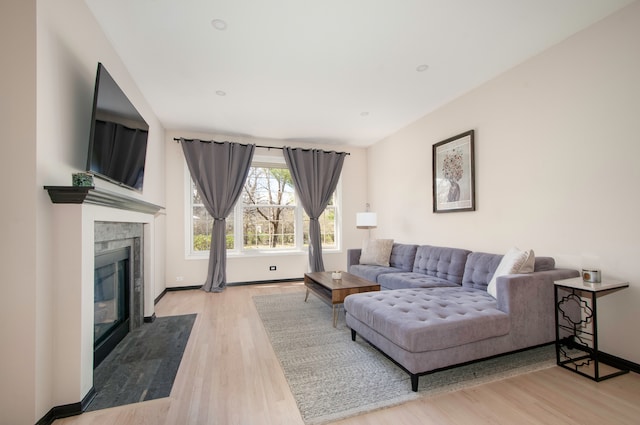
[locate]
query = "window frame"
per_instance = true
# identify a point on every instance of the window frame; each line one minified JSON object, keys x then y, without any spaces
{"x":299,"y":249}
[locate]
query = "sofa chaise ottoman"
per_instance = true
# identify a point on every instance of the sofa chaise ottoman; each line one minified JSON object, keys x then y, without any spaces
{"x":425,"y":329}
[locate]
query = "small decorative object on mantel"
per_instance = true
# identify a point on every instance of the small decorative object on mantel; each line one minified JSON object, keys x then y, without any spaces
{"x":336,"y":275}
{"x":82,"y":179}
{"x":591,"y":275}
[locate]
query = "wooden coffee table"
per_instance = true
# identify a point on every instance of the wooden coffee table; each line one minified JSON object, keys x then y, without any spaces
{"x":334,"y":292}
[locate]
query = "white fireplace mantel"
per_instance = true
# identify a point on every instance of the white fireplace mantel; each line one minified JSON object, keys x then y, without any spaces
{"x":73,"y":224}
{"x":99,"y":196}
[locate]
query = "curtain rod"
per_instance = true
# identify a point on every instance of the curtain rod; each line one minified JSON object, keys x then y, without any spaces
{"x":177,"y":139}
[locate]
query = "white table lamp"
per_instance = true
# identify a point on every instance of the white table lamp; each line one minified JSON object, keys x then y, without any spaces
{"x":366,"y":220}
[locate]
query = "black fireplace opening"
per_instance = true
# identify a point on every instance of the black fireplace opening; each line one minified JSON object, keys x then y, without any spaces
{"x":112,"y":286}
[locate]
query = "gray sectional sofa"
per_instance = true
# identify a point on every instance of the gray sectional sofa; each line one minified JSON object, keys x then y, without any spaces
{"x":435,"y":312}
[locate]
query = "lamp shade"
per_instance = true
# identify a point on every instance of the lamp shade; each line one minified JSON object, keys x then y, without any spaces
{"x":366,"y":219}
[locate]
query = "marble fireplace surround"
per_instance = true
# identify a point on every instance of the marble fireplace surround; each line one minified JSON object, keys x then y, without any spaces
{"x":112,"y":235}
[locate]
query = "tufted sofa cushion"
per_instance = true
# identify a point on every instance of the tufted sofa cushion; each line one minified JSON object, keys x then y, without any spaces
{"x":403,"y":256}
{"x":434,"y":267}
{"x":479,"y":269}
{"x":370,"y":272}
{"x":412,"y":280}
{"x":441,"y":262}
{"x":401,"y":259}
{"x":421,"y":320}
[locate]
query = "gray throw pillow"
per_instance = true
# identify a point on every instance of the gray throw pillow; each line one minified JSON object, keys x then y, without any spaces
{"x":376,"y":252}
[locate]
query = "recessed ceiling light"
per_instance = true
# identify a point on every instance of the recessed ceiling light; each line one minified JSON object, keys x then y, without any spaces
{"x":221,"y":93}
{"x":219,"y":24}
{"x":422,"y":68}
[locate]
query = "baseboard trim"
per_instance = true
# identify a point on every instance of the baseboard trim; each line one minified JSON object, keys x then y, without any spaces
{"x":150,"y":319}
{"x":265,"y":282}
{"x":159,"y":297}
{"x":73,"y":409}
{"x":251,"y":282}
{"x":618,"y":362}
{"x":182,"y":288}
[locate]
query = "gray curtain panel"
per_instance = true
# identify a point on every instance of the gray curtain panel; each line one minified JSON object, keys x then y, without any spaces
{"x":315,"y":175}
{"x":219,"y":170}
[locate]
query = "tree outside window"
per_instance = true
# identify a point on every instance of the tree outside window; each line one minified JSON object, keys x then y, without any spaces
{"x":268,"y":209}
{"x":266,"y":218}
{"x":202,"y":224}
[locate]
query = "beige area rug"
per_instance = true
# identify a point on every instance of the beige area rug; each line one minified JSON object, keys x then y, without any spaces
{"x":332,"y":377}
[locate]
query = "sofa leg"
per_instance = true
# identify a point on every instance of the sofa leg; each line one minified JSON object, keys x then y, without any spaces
{"x":414,"y":382}
{"x":353,"y":335}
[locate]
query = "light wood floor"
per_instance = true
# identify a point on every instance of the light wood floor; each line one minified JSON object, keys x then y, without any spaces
{"x":230,"y":375}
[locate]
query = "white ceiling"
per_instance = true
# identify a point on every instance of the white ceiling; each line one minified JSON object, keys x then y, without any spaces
{"x":328,"y":71}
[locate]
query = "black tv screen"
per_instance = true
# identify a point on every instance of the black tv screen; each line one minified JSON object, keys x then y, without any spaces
{"x":118,"y":138}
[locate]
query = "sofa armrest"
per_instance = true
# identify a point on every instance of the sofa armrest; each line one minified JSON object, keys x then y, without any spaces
{"x":353,"y":257}
{"x":529,"y":301}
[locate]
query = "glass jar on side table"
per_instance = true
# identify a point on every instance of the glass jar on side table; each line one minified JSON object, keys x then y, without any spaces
{"x":577,"y":327}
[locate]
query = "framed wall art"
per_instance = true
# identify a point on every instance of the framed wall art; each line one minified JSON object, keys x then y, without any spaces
{"x":453,"y":174}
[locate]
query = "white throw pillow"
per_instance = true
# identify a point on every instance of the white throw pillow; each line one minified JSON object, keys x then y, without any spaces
{"x":529,"y":263}
{"x":514,"y":261}
{"x":376,"y":252}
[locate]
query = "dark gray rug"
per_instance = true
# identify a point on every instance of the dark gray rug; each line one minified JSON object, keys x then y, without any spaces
{"x":332,"y":377}
{"x":144,"y":364}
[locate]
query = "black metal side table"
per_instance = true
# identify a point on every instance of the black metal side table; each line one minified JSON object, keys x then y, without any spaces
{"x":577,"y":327}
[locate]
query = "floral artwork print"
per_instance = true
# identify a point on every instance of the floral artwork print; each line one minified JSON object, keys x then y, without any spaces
{"x":453,"y":174}
{"x":452,"y":171}
{"x":452,"y":167}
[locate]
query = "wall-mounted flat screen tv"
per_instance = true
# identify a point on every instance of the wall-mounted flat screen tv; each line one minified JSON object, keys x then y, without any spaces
{"x":118,"y":138}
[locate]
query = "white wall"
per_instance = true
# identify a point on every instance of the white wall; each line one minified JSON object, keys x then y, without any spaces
{"x":250,"y":269}
{"x":20,"y":320}
{"x":557,"y":148}
{"x":50,"y":51}
{"x":66,"y":72}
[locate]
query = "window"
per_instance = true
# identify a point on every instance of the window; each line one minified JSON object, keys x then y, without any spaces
{"x":268,"y":207}
{"x":267,"y":218}
{"x":202,"y":224}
